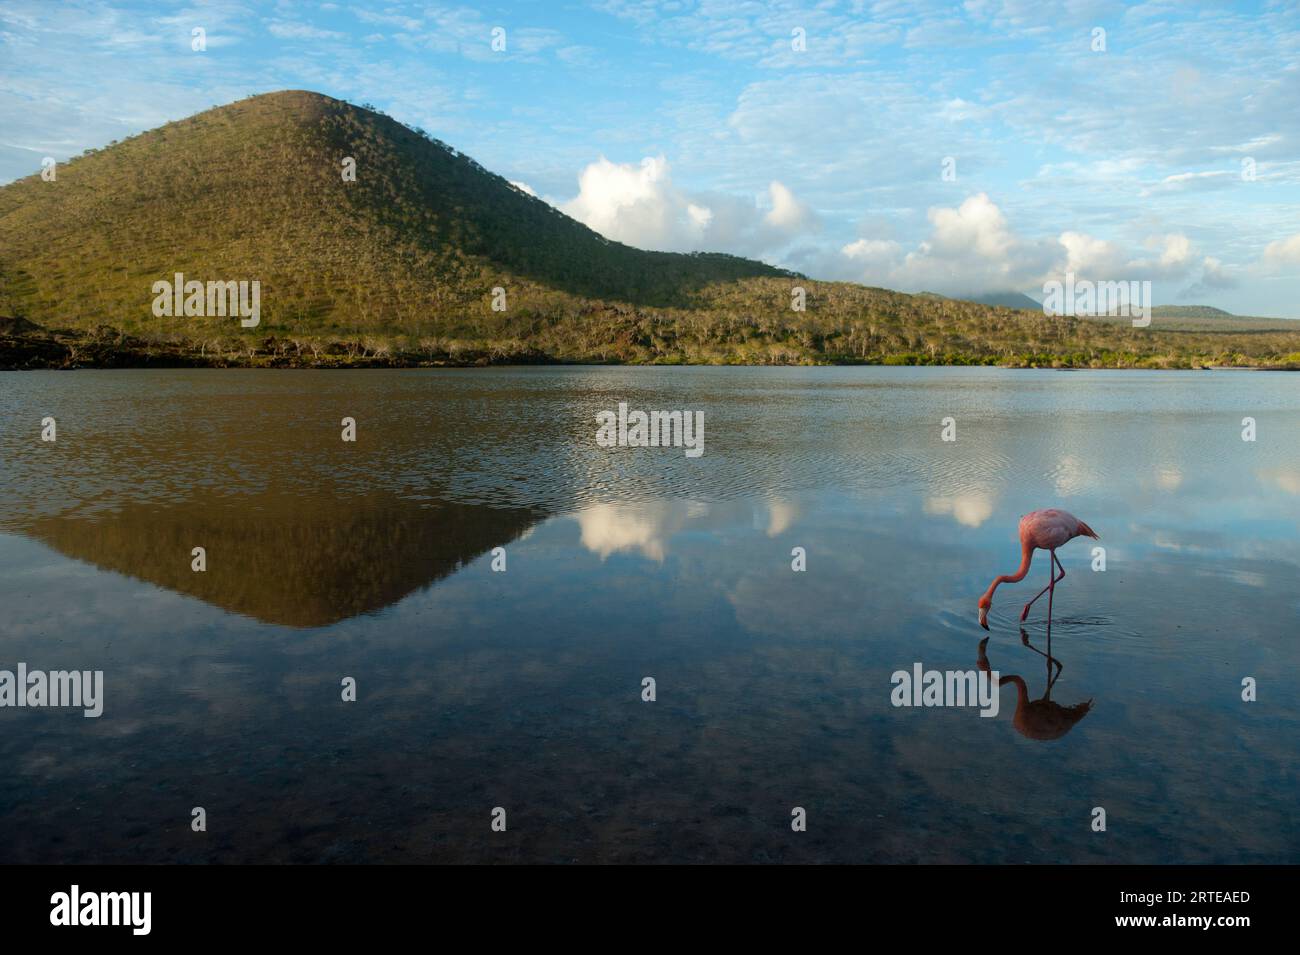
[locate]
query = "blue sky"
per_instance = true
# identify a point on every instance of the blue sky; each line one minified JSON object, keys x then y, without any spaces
{"x":700,"y":125}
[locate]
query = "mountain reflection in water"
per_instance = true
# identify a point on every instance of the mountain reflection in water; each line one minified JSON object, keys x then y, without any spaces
{"x":288,"y":559}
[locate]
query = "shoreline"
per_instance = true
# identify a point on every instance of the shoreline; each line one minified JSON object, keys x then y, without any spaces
{"x":25,"y":346}
{"x":18,"y":356}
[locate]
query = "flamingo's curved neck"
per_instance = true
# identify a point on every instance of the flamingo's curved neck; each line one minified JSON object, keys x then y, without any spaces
{"x":1022,"y":689}
{"x":1026,"y":555}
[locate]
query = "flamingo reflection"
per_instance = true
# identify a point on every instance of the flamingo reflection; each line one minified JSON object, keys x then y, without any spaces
{"x":1043,"y":718}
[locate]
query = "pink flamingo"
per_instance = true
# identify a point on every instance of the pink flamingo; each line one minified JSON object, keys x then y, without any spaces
{"x":1046,"y":530}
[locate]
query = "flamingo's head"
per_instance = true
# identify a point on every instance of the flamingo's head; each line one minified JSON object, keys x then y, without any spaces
{"x":985,"y":603}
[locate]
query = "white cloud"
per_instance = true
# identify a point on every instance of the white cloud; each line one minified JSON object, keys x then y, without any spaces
{"x":409,"y":24}
{"x":640,"y":205}
{"x":787,"y":212}
{"x":977,"y":225}
{"x":1194,"y":182}
{"x":1215,"y":276}
{"x":1175,"y":252}
{"x":970,"y":249}
{"x":1087,"y":256}
{"x":288,"y":30}
{"x":1173,"y":258}
{"x":1283,"y":254}
{"x":874,"y":254}
{"x":636,"y":204}
{"x":1168,"y":256}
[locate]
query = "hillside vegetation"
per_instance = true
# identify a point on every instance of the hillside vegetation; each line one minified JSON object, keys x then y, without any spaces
{"x":399,"y":267}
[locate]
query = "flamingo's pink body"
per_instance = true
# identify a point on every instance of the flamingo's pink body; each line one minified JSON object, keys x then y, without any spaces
{"x":1045,"y":530}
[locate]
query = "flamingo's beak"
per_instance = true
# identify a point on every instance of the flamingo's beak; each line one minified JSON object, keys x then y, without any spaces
{"x":984,"y":617}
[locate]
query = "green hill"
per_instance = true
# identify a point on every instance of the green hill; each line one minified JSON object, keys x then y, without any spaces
{"x":399,"y":267}
{"x":1206,"y":318}
{"x":255,"y":190}
{"x":1017,"y":300}
{"x":1189,"y":311}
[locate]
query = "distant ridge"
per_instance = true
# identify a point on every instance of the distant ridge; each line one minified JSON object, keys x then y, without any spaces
{"x":1207,"y":318}
{"x":1008,"y":300}
{"x":1190,"y":311}
{"x":1170,"y":317}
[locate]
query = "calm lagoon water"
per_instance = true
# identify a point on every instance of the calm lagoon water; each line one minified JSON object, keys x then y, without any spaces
{"x":522,"y":689}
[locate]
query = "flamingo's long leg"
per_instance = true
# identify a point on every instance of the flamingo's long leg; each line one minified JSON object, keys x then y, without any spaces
{"x":1024,"y":638}
{"x":1053,"y":581}
{"x":1025,"y":613}
{"x":1051,"y":592}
